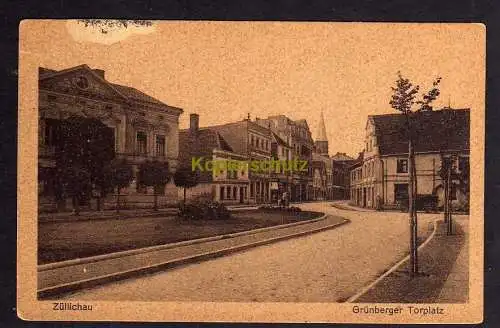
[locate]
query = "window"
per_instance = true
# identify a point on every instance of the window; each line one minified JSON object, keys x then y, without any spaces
{"x":231,"y":173}
{"x":234,"y":192}
{"x":252,"y":141}
{"x":252,"y":189}
{"x":228,"y":194}
{"x":402,"y":166}
{"x":141,"y":143}
{"x":160,"y":145}
{"x":50,"y":133}
{"x":222,"y":193}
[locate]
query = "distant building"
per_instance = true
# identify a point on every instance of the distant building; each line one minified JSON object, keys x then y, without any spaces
{"x":207,"y":144}
{"x":341,"y":164}
{"x":281,"y":175}
{"x":252,"y":141}
{"x":297,"y":135}
{"x":383,"y":171}
{"x":143,"y":127}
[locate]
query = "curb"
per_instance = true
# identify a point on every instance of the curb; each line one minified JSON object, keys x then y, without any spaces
{"x":91,"y":259}
{"x":100,"y":218}
{"x":92,"y":282}
{"x":367,"y":288}
{"x":352,"y":208}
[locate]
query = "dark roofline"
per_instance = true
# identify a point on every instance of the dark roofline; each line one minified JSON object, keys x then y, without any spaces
{"x":435,"y":110}
{"x":45,"y":73}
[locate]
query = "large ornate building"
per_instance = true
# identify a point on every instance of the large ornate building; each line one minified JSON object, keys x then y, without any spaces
{"x":382,"y":172}
{"x":143,"y":127}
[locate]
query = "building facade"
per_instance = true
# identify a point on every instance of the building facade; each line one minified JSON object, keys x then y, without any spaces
{"x":143,"y":127}
{"x":382,"y":175}
{"x":297,"y":136}
{"x":341,"y":164}
{"x":217,"y":181}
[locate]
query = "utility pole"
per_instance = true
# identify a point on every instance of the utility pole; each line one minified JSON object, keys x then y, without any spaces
{"x":449,"y":221}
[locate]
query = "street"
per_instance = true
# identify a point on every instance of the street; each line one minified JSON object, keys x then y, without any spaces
{"x":328,"y":266}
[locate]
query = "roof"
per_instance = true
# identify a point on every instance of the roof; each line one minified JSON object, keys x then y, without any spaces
{"x":321,"y":133}
{"x":280,"y":141}
{"x":342,"y":157}
{"x":135,"y":94}
{"x":125,"y":91}
{"x":204,"y":141}
{"x":435,"y":131}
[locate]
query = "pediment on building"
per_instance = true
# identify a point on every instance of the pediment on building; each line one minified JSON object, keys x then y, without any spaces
{"x":82,"y":81}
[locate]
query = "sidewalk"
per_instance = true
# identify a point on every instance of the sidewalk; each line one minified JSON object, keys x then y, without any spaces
{"x":123,"y":214}
{"x":443,"y":278}
{"x":456,"y":287}
{"x":105,"y":214}
{"x":341,"y":205}
{"x":61,"y":277}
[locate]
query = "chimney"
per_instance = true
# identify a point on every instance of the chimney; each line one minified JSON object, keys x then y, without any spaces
{"x":99,"y":72}
{"x":194,"y":122}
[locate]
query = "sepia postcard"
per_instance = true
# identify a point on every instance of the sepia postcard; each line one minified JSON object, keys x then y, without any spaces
{"x":209,"y":171}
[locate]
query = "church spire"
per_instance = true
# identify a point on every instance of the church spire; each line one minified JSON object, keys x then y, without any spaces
{"x":321,"y":135}
{"x":321,"y":142}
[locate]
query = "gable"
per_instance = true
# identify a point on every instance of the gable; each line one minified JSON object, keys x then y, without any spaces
{"x":80,"y":80}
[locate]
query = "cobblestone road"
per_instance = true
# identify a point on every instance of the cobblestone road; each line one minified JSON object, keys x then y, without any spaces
{"x":327,"y":266}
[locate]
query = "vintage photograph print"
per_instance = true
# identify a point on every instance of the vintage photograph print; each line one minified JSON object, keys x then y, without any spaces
{"x":251,"y":171}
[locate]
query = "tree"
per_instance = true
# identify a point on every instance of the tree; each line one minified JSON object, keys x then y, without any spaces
{"x":446,"y":172}
{"x":82,"y":145}
{"x":449,"y":173}
{"x":107,"y":25}
{"x":77,"y":185}
{"x":403,"y":100}
{"x":186,"y":178}
{"x":154,"y":174}
{"x":120,"y":176}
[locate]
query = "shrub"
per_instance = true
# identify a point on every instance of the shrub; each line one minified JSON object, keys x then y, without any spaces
{"x":294,"y":209}
{"x":204,"y":210}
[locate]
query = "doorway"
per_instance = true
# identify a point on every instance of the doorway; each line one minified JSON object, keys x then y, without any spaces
{"x":241,"y":195}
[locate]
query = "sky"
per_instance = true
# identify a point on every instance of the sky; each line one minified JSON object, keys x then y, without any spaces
{"x":225,"y":70}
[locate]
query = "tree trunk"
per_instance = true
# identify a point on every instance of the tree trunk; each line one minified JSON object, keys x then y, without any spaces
{"x":412,"y":210}
{"x":184,"y":203}
{"x":118,"y":201}
{"x":76,"y":205}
